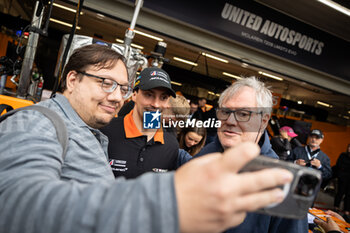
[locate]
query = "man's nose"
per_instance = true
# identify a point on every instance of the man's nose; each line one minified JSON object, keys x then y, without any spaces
{"x":156,"y":103}
{"x":231,"y":119}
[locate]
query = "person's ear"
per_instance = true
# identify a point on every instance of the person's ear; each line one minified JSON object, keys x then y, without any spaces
{"x":71,"y":80}
{"x":264,"y":121}
{"x":133,"y":97}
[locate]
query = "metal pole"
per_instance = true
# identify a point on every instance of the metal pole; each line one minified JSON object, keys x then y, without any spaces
{"x":139,"y":4}
{"x":129,"y":34}
{"x":29,"y":55}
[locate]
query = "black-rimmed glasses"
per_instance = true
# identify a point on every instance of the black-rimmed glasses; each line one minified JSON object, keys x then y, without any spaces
{"x":241,"y":115}
{"x":109,"y":85}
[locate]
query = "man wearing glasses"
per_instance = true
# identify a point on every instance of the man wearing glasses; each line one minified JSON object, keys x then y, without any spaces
{"x":244,"y":110}
{"x":41,"y":192}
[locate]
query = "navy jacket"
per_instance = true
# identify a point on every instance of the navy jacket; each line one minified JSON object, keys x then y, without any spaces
{"x":261,"y":223}
{"x":300,"y":153}
{"x":264,"y":143}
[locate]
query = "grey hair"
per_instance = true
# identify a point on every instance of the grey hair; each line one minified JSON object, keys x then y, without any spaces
{"x":263,"y":94}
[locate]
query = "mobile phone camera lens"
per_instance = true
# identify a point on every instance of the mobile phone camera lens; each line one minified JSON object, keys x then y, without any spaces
{"x":307,"y":185}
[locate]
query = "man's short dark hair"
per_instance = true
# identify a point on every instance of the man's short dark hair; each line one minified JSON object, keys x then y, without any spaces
{"x":194,"y":101}
{"x":97,"y":55}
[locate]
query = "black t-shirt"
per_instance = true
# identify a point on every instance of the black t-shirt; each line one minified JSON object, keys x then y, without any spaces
{"x":130,"y":155}
{"x":127,"y":107}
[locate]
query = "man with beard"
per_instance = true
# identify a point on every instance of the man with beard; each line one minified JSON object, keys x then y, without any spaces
{"x":134,"y":149}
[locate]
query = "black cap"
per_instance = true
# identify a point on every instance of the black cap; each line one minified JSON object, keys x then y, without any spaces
{"x":317,"y":132}
{"x":154,"y":77}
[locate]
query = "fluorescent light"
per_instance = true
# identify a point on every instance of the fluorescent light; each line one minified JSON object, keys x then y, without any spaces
{"x":137,"y":46}
{"x":132,"y":44}
{"x":231,"y":75}
{"x":212,"y":93}
{"x":346,"y":117}
{"x":324,"y":104}
{"x":336,"y":6}
{"x":271,"y":76}
{"x":214,"y":57}
{"x":185,"y":61}
{"x":300,"y":102}
{"x":66,"y":8}
{"x":176,"y":83}
{"x":148,"y":35}
{"x":100,"y":16}
{"x":63,"y":23}
{"x":244,"y":65}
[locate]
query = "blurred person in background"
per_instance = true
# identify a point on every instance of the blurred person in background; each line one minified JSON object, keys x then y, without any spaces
{"x":178,"y":110}
{"x":192,"y":139}
{"x":281,"y":143}
{"x":343,"y":175}
{"x":311,"y":155}
{"x":211,"y":115}
{"x":199,"y":114}
{"x":193,"y":107}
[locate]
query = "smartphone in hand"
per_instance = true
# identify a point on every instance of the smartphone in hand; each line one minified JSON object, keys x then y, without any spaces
{"x":299,"y":194}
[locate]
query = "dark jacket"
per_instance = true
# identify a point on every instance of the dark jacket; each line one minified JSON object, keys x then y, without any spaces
{"x":281,"y":146}
{"x":183,"y":157}
{"x":295,"y":142}
{"x":261,"y":223}
{"x":343,"y":165}
{"x":300,"y":153}
{"x":126,"y":108}
{"x":199,"y":114}
{"x":264,"y":144}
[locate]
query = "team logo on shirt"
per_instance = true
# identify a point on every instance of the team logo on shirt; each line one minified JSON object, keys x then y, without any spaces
{"x":118,"y":165}
{"x":159,"y":170}
{"x":151,"y":120}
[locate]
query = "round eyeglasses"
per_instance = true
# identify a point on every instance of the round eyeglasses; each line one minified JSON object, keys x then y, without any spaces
{"x":109,"y":85}
{"x":241,"y":115}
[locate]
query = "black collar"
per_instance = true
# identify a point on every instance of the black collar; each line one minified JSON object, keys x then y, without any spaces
{"x":312,"y":152}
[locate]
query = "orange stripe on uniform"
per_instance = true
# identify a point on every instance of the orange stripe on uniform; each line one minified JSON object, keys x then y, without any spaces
{"x":159,"y":136}
{"x":130,"y":128}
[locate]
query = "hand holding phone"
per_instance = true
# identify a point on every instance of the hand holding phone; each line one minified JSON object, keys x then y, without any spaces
{"x":301,"y":162}
{"x":328,"y":225}
{"x":299,"y":194}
